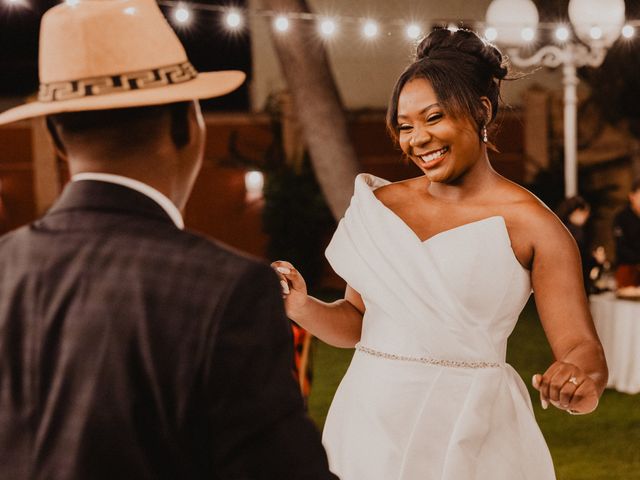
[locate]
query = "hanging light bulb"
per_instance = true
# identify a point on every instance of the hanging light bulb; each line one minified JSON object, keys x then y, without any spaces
{"x":595,"y":33}
{"x":562,"y":33}
{"x":491,"y":34}
{"x":233,"y":19}
{"x":628,"y":31}
{"x":370,"y":29}
{"x":181,"y":14}
{"x":281,"y":23}
{"x":528,"y":34}
{"x":413,"y":31}
{"x":327,"y":27}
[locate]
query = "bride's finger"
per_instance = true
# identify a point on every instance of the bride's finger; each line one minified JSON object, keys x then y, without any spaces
{"x":281,"y":268}
{"x":536,"y":381}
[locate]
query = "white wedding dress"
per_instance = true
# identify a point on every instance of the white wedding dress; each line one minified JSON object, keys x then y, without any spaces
{"x":428,"y":394}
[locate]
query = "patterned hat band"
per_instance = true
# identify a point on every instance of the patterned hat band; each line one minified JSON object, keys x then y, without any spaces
{"x":89,"y":87}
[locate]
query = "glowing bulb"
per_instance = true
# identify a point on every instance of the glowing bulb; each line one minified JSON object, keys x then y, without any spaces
{"x":254,"y":184}
{"x":328,"y":27}
{"x":452,"y":28}
{"x":491,"y":34}
{"x":595,"y":33}
{"x":562,"y":34}
{"x":233,"y":19}
{"x":281,"y":23}
{"x":628,"y":31}
{"x":413,"y":31}
{"x":370,"y":29}
{"x":182,"y":15}
{"x":528,"y":34}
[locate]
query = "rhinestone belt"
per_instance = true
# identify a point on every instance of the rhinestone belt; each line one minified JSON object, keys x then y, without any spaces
{"x":426,"y":360}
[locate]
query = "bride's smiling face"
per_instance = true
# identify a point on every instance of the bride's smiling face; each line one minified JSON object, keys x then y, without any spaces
{"x":442,"y":146}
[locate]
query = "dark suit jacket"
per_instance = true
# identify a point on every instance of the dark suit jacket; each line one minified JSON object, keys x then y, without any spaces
{"x":130,"y":349}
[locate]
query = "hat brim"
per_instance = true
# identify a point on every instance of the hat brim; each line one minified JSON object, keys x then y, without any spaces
{"x":205,"y":85}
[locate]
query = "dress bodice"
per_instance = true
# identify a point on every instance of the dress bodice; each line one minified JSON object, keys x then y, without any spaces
{"x":463,"y":286}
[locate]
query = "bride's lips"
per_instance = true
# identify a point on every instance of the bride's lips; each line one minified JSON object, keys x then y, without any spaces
{"x":434,"y":157}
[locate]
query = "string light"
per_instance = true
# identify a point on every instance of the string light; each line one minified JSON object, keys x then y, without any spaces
{"x":528,"y":34}
{"x":182,"y":14}
{"x":234,"y":19}
{"x":491,"y":34}
{"x":413,"y":31}
{"x":281,"y":23}
{"x":370,"y":29}
{"x":562,"y":33}
{"x":628,"y":31}
{"x":327,"y":27}
{"x":595,"y":33}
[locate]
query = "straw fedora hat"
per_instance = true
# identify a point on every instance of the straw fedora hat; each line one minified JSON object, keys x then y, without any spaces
{"x":104,"y":54}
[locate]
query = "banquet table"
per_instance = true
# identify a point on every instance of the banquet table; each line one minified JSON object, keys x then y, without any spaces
{"x":618,"y":324}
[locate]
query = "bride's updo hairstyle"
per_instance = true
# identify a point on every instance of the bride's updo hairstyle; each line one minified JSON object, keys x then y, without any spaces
{"x":461,"y":68}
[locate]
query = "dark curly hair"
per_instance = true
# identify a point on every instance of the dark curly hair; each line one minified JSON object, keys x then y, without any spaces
{"x":461,"y":67}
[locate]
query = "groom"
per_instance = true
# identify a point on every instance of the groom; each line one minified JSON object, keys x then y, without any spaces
{"x":130,"y":348}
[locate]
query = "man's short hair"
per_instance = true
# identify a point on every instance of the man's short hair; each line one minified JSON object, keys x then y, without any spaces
{"x":135,"y":122}
{"x":635,"y":185}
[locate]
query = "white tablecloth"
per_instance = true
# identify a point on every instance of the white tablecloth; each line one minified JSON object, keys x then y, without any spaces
{"x":618,"y":325}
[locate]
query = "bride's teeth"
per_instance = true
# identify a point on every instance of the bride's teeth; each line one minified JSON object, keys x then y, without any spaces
{"x":434,"y":155}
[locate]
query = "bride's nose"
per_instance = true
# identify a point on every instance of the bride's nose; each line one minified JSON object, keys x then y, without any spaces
{"x":419,"y":137}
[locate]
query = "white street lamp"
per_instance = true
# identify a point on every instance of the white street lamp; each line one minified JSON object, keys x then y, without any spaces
{"x":596,"y":23}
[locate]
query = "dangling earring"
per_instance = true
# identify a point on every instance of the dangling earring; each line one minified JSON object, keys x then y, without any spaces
{"x":485,"y":139}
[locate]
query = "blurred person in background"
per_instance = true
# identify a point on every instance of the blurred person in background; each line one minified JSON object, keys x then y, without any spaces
{"x":575,"y":213}
{"x":626,"y":231}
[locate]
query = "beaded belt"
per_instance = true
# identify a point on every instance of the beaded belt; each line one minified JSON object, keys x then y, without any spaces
{"x":427,"y":360}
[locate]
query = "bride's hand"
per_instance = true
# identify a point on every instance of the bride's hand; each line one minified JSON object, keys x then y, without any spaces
{"x":294,"y":288}
{"x":567,"y":387}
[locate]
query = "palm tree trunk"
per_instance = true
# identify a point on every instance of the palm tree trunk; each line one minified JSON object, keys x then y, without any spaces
{"x":304,"y":63}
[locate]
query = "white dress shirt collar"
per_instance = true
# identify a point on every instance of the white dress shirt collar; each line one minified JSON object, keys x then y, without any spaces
{"x":158,"y":197}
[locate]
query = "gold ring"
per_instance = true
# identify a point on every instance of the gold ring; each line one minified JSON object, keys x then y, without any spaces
{"x":573,"y":380}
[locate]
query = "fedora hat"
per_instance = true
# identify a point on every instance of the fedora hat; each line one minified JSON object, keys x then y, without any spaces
{"x":104,"y":54}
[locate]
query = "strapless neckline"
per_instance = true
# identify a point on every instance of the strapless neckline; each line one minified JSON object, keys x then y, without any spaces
{"x":449,"y":231}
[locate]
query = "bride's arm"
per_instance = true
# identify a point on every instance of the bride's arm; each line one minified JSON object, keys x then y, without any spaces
{"x":338,"y":323}
{"x":577,"y":378}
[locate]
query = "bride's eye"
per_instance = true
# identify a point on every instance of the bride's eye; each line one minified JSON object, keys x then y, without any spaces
{"x":404,"y":127}
{"x":434,"y":118}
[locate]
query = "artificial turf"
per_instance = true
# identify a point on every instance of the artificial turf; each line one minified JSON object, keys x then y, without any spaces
{"x":604,"y":445}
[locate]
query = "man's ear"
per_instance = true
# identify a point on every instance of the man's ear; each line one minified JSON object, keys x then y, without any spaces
{"x":55,"y":137}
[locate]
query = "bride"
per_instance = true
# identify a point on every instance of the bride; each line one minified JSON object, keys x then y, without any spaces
{"x":438,"y":269}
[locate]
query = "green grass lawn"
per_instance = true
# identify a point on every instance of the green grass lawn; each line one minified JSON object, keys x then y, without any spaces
{"x":604,"y":445}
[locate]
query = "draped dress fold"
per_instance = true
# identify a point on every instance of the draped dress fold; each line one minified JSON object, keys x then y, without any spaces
{"x":428,"y":395}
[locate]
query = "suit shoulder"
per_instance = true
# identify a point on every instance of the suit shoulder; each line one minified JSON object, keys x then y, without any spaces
{"x":216,"y":253}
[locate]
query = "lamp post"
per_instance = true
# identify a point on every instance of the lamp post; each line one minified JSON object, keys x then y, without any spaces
{"x":597,"y":25}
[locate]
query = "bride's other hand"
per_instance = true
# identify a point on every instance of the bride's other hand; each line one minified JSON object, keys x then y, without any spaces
{"x":294,"y":288}
{"x":566,"y":387}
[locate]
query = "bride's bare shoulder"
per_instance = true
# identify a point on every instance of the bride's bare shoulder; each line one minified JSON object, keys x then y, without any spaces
{"x":396,"y":191}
